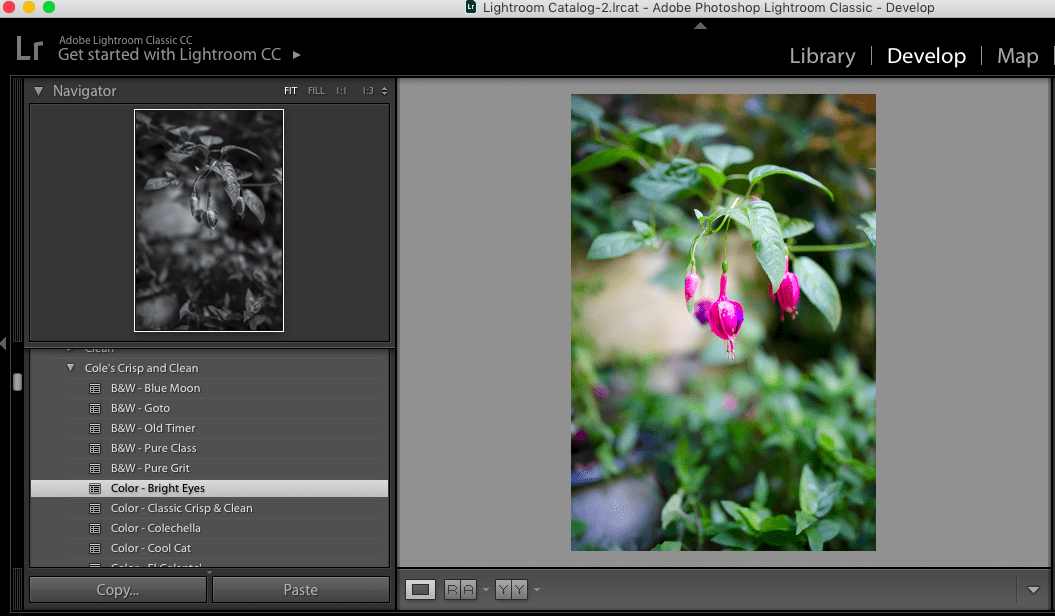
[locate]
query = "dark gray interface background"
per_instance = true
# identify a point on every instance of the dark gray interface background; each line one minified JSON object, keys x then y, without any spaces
{"x":965,"y":422}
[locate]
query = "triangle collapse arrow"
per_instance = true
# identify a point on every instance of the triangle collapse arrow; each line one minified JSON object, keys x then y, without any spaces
{"x":70,"y":366}
{"x":700,"y":26}
{"x":1033,"y":589}
{"x":536,"y":590}
{"x":486,"y":589}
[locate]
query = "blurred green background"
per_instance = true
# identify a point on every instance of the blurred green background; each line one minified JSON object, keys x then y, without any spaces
{"x":775,"y":450}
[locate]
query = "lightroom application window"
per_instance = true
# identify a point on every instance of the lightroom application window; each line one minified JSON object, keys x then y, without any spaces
{"x":305,"y":299}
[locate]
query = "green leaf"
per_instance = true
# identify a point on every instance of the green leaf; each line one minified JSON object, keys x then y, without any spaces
{"x":864,"y":470}
{"x":765,"y":171}
{"x":700,"y":131}
{"x":777,"y":522}
{"x":803,"y":520}
{"x":723,"y":155}
{"x":210,"y":140}
{"x":606,"y":457}
{"x":643,"y":228}
{"x":826,"y":498}
{"x":777,"y":530}
{"x":578,"y":528}
{"x":694,"y":479}
{"x":655,"y":136}
{"x":617,"y":244}
{"x":587,"y":110}
{"x":604,"y":158}
{"x":769,"y":242}
{"x":666,"y":181}
{"x":819,"y":288}
{"x":795,"y":226}
{"x":636,"y":125}
{"x":712,"y":175}
{"x":700,"y":217}
{"x":761,"y":488}
{"x":815,"y":539}
{"x":738,"y":214}
{"x":870,"y":233}
{"x":870,"y":230}
{"x":717,"y":515}
{"x":672,"y":509}
{"x":728,"y":540}
{"x":739,"y":512}
{"x":668,"y":546}
{"x":828,"y":529}
{"x":627,"y":438}
{"x":809,"y":490}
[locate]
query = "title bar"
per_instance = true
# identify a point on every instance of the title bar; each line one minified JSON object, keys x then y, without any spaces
{"x":480,"y":9}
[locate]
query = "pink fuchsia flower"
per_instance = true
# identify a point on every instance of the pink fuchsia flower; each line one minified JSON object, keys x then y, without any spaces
{"x":692,"y":281}
{"x":702,"y":308}
{"x":601,"y":392}
{"x":788,"y":292}
{"x":725,"y":318}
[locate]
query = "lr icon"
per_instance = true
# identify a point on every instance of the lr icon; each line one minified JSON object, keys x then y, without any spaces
{"x":37,"y":45}
{"x":470,"y":6}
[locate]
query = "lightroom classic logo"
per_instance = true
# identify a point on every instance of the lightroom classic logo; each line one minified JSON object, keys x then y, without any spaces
{"x":470,"y":6}
{"x":36,"y":46}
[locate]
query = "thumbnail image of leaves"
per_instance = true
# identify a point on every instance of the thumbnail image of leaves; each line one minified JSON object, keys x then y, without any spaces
{"x":208,"y":220}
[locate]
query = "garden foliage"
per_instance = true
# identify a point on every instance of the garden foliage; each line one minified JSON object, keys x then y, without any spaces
{"x":778,"y":450}
{"x":226,"y":168}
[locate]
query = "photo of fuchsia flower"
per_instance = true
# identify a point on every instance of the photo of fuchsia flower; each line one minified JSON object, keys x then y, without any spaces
{"x":694,"y":192}
{"x":725,"y":318}
{"x":702,"y":310}
{"x":692,"y":281}
{"x":788,"y":292}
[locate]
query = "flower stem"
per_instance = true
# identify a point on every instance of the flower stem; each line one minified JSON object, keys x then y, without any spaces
{"x":823,"y":248}
{"x":725,"y":243}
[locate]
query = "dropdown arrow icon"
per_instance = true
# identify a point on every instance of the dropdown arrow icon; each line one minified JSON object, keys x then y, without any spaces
{"x":210,"y":572}
{"x":70,"y":366}
{"x":486,"y":589}
{"x":1033,"y":589}
{"x":536,"y":590}
{"x":384,"y":91}
{"x":38,"y":89}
